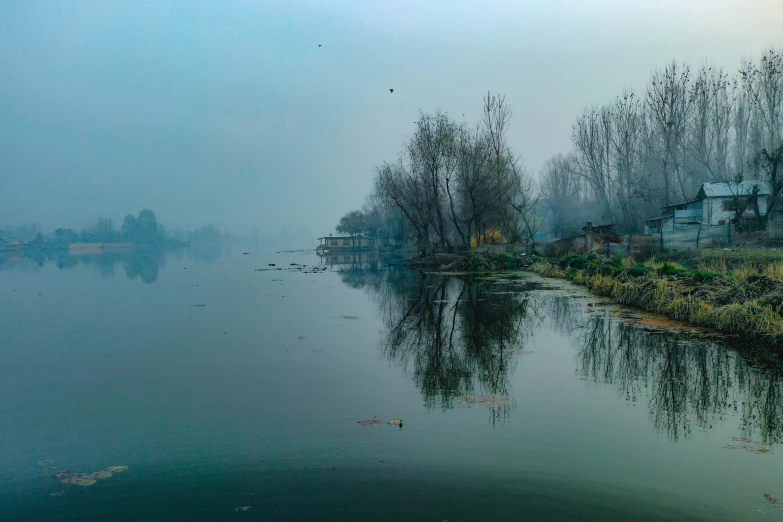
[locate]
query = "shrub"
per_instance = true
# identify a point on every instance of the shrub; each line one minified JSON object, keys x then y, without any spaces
{"x":617,"y":259}
{"x":605,"y":269}
{"x":703,"y":276}
{"x":667,"y":269}
{"x":578,"y":262}
{"x":638,"y":270}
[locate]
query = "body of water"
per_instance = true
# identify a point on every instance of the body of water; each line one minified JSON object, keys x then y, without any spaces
{"x":231,"y":389}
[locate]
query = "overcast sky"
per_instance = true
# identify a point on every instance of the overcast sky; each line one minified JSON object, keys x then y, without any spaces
{"x":228,"y":112}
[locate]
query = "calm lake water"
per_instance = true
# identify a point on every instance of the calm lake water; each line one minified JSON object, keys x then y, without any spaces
{"x":223,"y":387}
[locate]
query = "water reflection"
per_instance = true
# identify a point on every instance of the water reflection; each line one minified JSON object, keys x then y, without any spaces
{"x":685,"y":382}
{"x":141,"y":264}
{"x":462,"y":336}
{"x":457,"y":337}
{"x":350,"y":259}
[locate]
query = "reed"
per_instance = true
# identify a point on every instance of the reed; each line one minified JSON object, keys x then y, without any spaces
{"x":697,"y":298}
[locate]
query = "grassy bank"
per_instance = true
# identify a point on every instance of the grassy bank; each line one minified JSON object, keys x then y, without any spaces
{"x":737,"y":297}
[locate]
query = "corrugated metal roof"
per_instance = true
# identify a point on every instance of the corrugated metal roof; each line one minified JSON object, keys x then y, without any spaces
{"x":730,"y":189}
{"x":682,"y":203}
{"x":688,"y":213}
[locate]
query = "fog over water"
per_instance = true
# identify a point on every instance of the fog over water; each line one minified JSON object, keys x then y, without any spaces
{"x":271,"y":115}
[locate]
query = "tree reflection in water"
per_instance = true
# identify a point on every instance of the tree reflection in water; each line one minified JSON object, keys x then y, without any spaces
{"x":456,"y":336}
{"x":686,"y":382}
{"x":462,"y":336}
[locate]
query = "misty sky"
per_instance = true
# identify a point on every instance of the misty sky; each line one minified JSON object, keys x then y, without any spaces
{"x":228,"y":112}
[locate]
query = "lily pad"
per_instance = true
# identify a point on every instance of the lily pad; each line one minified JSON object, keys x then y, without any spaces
{"x":772,"y":500}
{"x":117,"y":469}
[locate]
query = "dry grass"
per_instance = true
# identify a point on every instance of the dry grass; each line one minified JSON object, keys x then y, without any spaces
{"x":742,"y":273}
{"x":674,"y":298}
{"x":774,"y":270}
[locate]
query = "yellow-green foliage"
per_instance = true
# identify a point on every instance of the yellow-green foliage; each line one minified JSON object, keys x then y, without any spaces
{"x":775,"y":270}
{"x":742,"y":273}
{"x":549,"y":270}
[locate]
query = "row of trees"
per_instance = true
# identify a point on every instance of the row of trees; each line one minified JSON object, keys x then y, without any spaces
{"x":142,"y":228}
{"x":688,"y":127}
{"x":452,"y":186}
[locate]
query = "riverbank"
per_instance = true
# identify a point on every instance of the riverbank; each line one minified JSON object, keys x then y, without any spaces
{"x":745,"y":299}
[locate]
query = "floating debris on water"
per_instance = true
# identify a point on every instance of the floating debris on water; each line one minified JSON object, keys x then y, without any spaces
{"x":396,"y":422}
{"x":369,"y":423}
{"x":69,"y":478}
{"x":759,"y":448}
{"x":45,"y":462}
{"x":772,"y":500}
{"x":487,"y":401}
{"x":57,"y":494}
{"x":301,"y":269}
{"x":348,"y":317}
{"x":243,"y":508}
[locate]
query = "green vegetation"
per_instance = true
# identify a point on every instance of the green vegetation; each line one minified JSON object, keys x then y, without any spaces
{"x":732,"y":297}
{"x":491,"y":261}
{"x":667,"y":269}
{"x":638,"y":270}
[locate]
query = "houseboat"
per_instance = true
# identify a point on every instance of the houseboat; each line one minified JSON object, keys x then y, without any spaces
{"x":358,"y":242}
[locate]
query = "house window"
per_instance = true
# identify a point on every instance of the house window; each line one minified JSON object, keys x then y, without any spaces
{"x":722,"y":221}
{"x":729,"y":205}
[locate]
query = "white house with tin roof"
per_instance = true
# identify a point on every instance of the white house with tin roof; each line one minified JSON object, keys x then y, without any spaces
{"x":715,"y":204}
{"x":719,"y":200}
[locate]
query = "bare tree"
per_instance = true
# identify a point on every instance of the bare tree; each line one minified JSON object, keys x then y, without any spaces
{"x":763,"y":84}
{"x":631,"y":182}
{"x":669,"y":103}
{"x":432,"y":153}
{"x":473,"y":190}
{"x":561,"y":192}
{"x":708,"y":143}
{"x":408,"y":192}
{"x":591,"y":135}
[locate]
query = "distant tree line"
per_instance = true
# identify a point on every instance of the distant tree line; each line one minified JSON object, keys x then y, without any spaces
{"x":452,"y":186}
{"x":644,"y":151}
{"x":140,"y":229}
